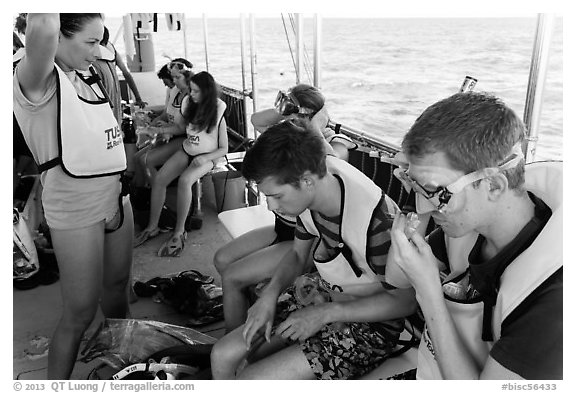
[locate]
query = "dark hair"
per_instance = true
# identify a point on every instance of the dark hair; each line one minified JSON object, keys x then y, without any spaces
{"x":183,"y":61}
{"x":164,"y":72}
{"x":20,"y":23}
{"x":105,"y":37}
{"x":308,"y":96}
{"x":474,"y":130}
{"x":204,"y":114}
{"x":71,"y":24}
{"x":285,"y":151}
{"x":17,"y":42}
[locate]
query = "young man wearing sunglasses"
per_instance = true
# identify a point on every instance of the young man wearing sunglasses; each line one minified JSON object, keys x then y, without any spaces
{"x":343,"y":223}
{"x":496,"y":312}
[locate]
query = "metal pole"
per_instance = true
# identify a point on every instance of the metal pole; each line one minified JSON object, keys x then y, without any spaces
{"x":184,"y":36}
{"x":243,"y":62}
{"x":299,"y":47}
{"x":317,"y":49}
{"x":536,"y":81}
{"x":253,"y":65}
{"x":205,"y":29}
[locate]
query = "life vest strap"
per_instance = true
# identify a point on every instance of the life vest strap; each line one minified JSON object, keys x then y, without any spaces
{"x":49,"y":164}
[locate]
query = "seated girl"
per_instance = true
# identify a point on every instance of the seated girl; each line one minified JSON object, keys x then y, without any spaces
{"x":206,"y":141}
{"x":252,"y":257}
{"x":168,"y":128}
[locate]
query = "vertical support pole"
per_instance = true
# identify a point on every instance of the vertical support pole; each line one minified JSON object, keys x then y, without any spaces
{"x":243,"y":62}
{"x":299,"y":47}
{"x":317,"y":49}
{"x":205,"y":29}
{"x":536,"y":81}
{"x":253,"y":64}
{"x":184,"y":37}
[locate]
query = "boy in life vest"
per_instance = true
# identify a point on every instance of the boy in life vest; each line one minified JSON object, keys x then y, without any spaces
{"x":496,"y":312}
{"x":343,"y":222}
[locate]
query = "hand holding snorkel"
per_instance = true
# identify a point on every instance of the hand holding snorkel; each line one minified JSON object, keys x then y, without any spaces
{"x":411,"y":262}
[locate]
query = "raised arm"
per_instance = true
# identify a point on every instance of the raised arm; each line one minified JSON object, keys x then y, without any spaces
{"x":261,"y":314}
{"x":42,"y":35}
{"x":130,"y":80}
{"x":263,"y":119}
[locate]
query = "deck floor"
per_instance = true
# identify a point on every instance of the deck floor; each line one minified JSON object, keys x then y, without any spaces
{"x":36,"y":311}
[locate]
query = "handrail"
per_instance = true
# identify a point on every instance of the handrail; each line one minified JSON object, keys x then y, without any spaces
{"x":536,"y":82}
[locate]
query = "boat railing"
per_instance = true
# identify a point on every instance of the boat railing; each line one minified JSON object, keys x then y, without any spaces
{"x":235,"y":116}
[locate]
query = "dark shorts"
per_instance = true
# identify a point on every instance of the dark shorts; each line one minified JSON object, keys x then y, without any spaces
{"x":190,"y":158}
{"x":344,"y":350}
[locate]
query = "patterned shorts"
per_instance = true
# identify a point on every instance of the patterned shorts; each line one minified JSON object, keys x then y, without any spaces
{"x":345,"y":350}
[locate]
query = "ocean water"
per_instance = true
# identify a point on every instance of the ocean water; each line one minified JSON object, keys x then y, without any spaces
{"x":379,"y":74}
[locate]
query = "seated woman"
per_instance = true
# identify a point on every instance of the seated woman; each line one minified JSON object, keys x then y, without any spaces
{"x":165,"y":76}
{"x":253,"y":256}
{"x":168,"y":127}
{"x":206,"y":141}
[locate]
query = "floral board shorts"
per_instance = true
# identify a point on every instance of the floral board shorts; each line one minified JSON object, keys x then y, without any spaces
{"x":345,"y":350}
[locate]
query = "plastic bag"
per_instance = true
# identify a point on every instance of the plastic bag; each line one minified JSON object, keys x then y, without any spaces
{"x":25,"y":263}
{"x":122,"y":342}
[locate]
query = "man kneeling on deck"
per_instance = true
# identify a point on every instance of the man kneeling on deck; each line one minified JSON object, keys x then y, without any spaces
{"x":346,"y":219}
{"x":496,"y":313}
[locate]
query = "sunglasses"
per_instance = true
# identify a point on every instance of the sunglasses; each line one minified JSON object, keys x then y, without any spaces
{"x":181,"y":66}
{"x":286,"y":104}
{"x":440,"y":197}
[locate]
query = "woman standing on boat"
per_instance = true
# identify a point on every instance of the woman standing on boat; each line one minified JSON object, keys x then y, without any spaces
{"x":206,"y":141}
{"x":253,"y":256}
{"x":170,"y":125}
{"x":73,"y":134}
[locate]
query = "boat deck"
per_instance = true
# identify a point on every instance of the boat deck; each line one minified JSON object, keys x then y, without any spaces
{"x":36,"y":311}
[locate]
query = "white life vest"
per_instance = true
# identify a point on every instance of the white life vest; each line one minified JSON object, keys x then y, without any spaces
{"x":360,"y":199}
{"x":204,"y":142}
{"x":89,"y":139}
{"x":529,"y":270}
{"x":175,"y":104}
{"x":108,"y":53}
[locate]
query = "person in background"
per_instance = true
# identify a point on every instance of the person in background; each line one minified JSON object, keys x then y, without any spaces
{"x":165,"y":76}
{"x":90,"y":222}
{"x":252,"y":257}
{"x":206,"y":141}
{"x":105,"y":66}
{"x":496,"y":311}
{"x":303,"y":101}
{"x":168,"y":129}
{"x":344,"y":220}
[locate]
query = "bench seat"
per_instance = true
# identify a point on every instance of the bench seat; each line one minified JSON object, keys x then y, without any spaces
{"x":239,"y":221}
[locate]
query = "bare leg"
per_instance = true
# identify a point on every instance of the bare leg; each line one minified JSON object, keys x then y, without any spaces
{"x":187,"y":179}
{"x":242,"y":246}
{"x":289,"y":363}
{"x":117,"y":266}
{"x":156,"y":156}
{"x":169,"y":171}
{"x":79,"y":253}
{"x":249,"y":270}
{"x":230,"y":351}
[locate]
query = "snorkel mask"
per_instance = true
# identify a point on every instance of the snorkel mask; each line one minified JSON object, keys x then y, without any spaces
{"x":439,"y":198}
{"x":286,"y":104}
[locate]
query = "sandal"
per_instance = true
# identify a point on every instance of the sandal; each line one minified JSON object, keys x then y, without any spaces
{"x":173,"y":247}
{"x":144,"y":236}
